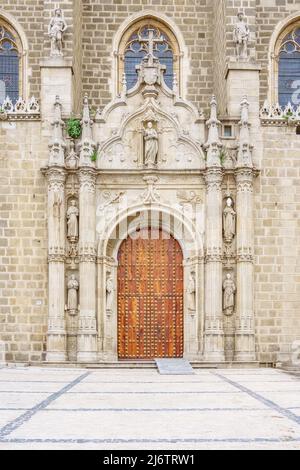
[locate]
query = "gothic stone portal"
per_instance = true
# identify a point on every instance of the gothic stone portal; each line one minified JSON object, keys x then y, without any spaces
{"x":150,"y":296}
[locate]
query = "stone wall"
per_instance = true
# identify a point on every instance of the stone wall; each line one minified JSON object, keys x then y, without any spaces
{"x":31,"y":20}
{"x":23,"y":240}
{"x":277,"y":244}
{"x":101,"y":20}
{"x":219,"y":53}
{"x":269,"y":13}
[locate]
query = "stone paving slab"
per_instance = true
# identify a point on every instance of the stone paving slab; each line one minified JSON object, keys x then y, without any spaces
{"x":163,"y":425}
{"x":152,"y":387}
{"x":156,"y":401}
{"x":139,"y":409}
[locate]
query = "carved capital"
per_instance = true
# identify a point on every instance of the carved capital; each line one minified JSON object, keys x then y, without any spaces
{"x":87,"y":325}
{"x":214,"y":255}
{"x":57,"y":325}
{"x":56,"y":254}
{"x":214,"y":178}
{"x":244,"y":180}
{"x":87,"y":254}
{"x":87,"y":180}
{"x":245,"y":255}
{"x":56,"y":179}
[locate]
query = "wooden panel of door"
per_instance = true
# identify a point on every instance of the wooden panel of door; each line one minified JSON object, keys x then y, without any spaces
{"x":150,"y":296}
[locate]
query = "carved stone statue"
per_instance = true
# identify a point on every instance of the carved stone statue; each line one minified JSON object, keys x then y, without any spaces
{"x":191,"y":290}
{"x":72,"y":217}
{"x":73,"y":286}
{"x":109,"y":294}
{"x":229,"y":221}
{"x":241,"y":37}
{"x":56,"y":29}
{"x":229,"y":289}
{"x":151,"y":145}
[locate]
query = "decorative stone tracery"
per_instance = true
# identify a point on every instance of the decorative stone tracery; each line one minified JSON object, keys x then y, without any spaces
{"x":92,"y":199}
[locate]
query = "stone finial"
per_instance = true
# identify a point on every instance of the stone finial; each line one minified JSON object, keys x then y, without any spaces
{"x":57,"y":145}
{"x":241,"y":35}
{"x":245,"y":147}
{"x":8,"y":105}
{"x":87,"y":144}
{"x":56,"y":29}
{"x":213,"y":144}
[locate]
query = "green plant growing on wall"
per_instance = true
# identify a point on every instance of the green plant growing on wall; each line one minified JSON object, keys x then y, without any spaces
{"x":94,"y":156}
{"x":222,"y":157}
{"x":74,"y":128}
{"x":288,"y":116}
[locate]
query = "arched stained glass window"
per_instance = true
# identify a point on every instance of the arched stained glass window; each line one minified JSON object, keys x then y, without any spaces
{"x":9,"y":64}
{"x":289,"y":68}
{"x":135,"y":46}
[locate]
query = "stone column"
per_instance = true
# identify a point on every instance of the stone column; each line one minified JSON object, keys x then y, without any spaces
{"x":56,"y":338}
{"x":214,"y":332}
{"x":245,"y":330}
{"x":87,"y":327}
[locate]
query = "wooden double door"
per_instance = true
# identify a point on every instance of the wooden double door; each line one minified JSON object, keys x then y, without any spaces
{"x":150,"y":297}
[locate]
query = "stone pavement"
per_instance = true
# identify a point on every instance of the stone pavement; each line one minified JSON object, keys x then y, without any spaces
{"x":43,"y":408}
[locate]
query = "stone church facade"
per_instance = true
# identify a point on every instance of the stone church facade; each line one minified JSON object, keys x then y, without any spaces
{"x":149,"y":181}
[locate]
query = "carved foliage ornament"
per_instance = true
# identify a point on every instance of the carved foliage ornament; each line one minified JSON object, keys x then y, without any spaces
{"x":87,"y":180}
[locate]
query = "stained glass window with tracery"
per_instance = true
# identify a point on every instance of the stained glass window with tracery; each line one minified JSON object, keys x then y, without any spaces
{"x":9,"y":65}
{"x":289,"y":68}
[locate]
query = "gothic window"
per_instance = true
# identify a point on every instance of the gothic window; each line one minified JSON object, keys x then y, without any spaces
{"x":10,"y":63}
{"x":289,"y":67}
{"x":135,"y":46}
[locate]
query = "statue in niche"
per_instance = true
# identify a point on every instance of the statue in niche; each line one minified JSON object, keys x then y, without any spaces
{"x":229,"y":289}
{"x":56,"y":29}
{"x":73,"y":286}
{"x":109,"y":294}
{"x":191,"y":290}
{"x":241,"y":37}
{"x":151,"y":145}
{"x":229,"y":221}
{"x":72,"y":218}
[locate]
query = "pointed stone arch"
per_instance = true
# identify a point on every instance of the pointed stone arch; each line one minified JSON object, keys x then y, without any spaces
{"x":176,"y":36}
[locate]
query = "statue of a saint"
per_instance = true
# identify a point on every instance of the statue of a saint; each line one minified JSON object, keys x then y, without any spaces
{"x":109,"y":294}
{"x":229,"y":289}
{"x":72,"y":217}
{"x":151,"y":145}
{"x":192,"y":293}
{"x":229,"y":221}
{"x":73,"y":287}
{"x":56,"y":29}
{"x":241,"y":37}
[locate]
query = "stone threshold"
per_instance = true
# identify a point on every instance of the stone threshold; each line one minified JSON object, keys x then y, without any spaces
{"x":136,"y":365}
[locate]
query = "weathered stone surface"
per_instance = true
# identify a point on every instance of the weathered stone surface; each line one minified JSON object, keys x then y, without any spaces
{"x":262,"y":257}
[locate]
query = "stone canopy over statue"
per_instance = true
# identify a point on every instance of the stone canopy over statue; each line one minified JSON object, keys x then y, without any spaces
{"x":241,"y":37}
{"x":56,"y":30}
